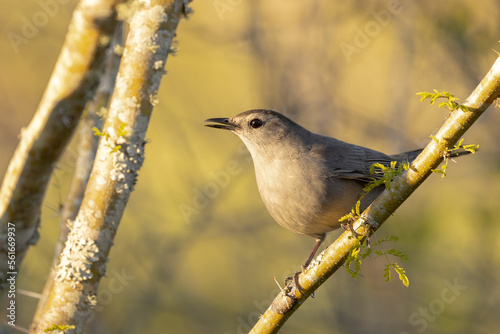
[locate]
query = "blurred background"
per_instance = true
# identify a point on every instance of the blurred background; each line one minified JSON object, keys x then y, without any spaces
{"x":196,"y":251}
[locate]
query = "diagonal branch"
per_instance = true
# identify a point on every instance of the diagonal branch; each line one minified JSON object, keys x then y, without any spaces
{"x":87,"y":147}
{"x":73,"y":81}
{"x":325,"y":264}
{"x":119,"y":157}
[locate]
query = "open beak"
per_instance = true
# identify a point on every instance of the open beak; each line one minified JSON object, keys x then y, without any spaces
{"x":220,"y":123}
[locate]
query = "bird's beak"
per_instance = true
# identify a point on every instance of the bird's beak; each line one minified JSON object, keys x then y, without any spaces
{"x":220,"y":123}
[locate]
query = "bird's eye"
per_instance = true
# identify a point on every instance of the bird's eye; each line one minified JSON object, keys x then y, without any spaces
{"x":256,"y":123}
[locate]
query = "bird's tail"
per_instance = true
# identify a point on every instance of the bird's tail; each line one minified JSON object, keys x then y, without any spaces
{"x":411,"y":155}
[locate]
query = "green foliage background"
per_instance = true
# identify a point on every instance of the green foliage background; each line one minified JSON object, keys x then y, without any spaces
{"x":213,"y":272}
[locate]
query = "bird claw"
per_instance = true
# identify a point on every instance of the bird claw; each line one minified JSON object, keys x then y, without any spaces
{"x":295,"y":280}
{"x":349,"y":227}
{"x":288,"y":279}
{"x":297,"y":284}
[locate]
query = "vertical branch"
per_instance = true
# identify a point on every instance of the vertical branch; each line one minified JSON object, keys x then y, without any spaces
{"x":72,"y":83}
{"x":120,"y":155}
{"x":87,"y":148}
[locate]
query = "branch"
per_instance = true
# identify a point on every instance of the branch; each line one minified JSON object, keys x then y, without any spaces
{"x":403,"y":185}
{"x":87,"y":148}
{"x":71,"y":85}
{"x":120,"y":155}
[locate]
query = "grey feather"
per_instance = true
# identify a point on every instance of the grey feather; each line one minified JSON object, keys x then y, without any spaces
{"x":307,"y":181}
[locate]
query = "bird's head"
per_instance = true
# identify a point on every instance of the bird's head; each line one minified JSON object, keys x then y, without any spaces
{"x":259,"y":129}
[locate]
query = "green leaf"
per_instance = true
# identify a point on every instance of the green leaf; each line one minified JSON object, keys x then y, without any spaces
{"x":355,"y":252}
{"x":397,"y":253}
{"x":97,"y":132}
{"x":393,"y":238}
{"x":450,"y":102}
{"x":353,"y":261}
{"x":424,"y":95}
{"x":58,"y":328}
{"x":471,"y":148}
{"x":121,"y":130}
{"x":387,"y":273}
{"x":353,"y":266}
{"x":346,"y":217}
{"x":440,"y":171}
{"x":368,"y":251}
{"x":116,"y":148}
{"x":402,"y":276}
{"x":361,"y":251}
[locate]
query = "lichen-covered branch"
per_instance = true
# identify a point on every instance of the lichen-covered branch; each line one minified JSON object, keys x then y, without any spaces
{"x":87,"y":148}
{"x":73,"y":81}
{"x":120,"y":155}
{"x":458,"y":122}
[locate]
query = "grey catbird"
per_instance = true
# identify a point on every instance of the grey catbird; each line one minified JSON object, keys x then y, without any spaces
{"x":307,"y":181}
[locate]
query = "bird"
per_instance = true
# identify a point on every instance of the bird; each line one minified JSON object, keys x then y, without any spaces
{"x":307,"y":181}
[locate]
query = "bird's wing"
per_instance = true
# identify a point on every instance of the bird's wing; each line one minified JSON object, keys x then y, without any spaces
{"x":347,"y":161}
{"x":406,"y":156}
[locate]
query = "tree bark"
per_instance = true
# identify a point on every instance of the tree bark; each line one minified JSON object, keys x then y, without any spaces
{"x":120,"y":155}
{"x":71,"y":85}
{"x":87,"y":148}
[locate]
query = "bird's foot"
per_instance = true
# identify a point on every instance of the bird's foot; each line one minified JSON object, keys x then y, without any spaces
{"x":349,"y":227}
{"x":295,"y":280}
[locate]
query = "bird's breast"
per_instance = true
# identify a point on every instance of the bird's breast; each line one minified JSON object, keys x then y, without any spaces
{"x":300,"y":198}
{"x":293,"y":195}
